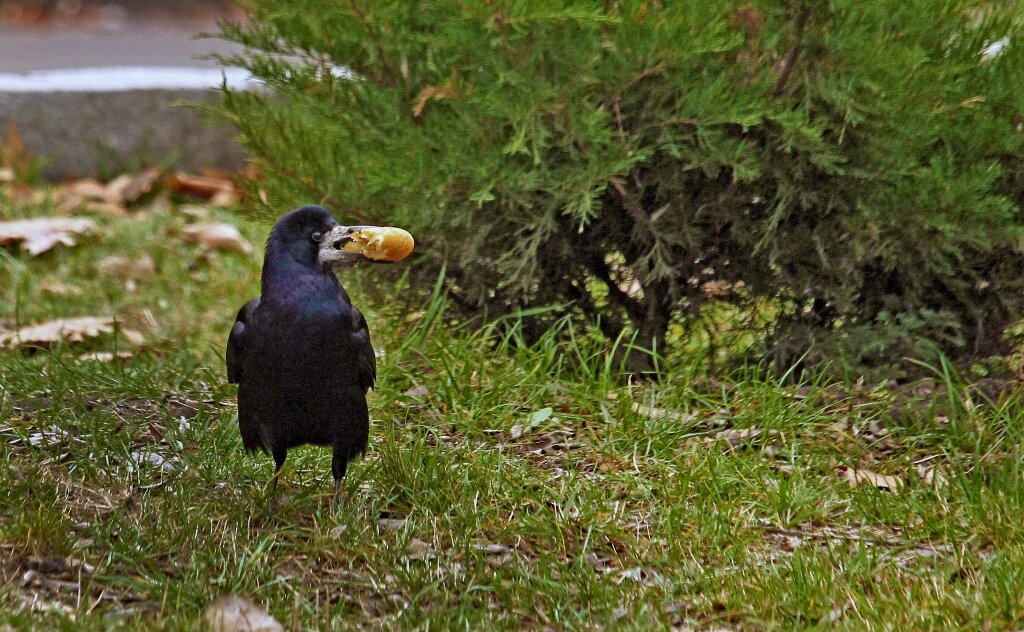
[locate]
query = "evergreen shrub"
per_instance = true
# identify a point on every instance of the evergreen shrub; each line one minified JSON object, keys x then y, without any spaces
{"x":853,"y":166}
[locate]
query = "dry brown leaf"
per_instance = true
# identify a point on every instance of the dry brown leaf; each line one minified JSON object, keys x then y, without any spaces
{"x":656,"y":413}
{"x":492,"y":549}
{"x":106,"y":209}
{"x":89,"y":189}
{"x":498,"y":561}
{"x":598,"y":563}
{"x":237,"y":614}
{"x":105,"y":356}
{"x":391,"y":524}
{"x":112,"y":197}
{"x":203,"y":186}
{"x":417,"y":391}
{"x":194,"y":211}
{"x":225,"y":198}
{"x":40,"y":234}
{"x":858,"y":477}
{"x":133,"y":337}
{"x":59,"y":288}
{"x":418,"y":549}
{"x":931,"y":475}
{"x":69,"y":330}
{"x":735,"y":437}
{"x":125,"y":268}
{"x":217,"y":237}
{"x":447,"y":90}
{"x":69,"y":203}
{"x":141,"y":460}
{"x":62,"y":329}
{"x":159,"y":204}
{"x":127,"y":189}
{"x":415,"y":316}
{"x":115,"y":188}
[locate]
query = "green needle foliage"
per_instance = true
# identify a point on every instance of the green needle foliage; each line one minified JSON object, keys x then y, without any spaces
{"x":853,"y":168}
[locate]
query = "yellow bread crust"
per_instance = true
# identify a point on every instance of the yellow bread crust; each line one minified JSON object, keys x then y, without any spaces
{"x":384,"y":243}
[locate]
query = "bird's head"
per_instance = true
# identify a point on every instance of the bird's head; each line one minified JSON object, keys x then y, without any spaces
{"x":313,"y":238}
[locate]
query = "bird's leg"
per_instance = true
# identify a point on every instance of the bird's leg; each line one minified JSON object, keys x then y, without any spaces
{"x":334,"y":498}
{"x":339,"y":463}
{"x":279,"y":457}
{"x":273,"y":485}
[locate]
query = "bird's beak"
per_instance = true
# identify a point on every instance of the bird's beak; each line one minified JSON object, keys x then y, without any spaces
{"x":350,"y":244}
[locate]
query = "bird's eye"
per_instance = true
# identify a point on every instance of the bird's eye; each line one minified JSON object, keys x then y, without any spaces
{"x":317,"y":237}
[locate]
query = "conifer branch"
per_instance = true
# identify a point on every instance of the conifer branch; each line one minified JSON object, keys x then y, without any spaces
{"x":789,"y":61}
{"x":388,"y":79}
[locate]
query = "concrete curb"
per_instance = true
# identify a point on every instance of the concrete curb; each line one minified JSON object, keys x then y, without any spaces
{"x":95,"y":102}
{"x":104,"y":133}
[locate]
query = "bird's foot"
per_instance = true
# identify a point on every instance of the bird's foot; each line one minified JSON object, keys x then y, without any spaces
{"x":272,"y":498}
{"x":334,"y":498}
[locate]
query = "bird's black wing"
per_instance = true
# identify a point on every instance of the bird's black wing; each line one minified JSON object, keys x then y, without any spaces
{"x":238,"y":341}
{"x":366,"y":360}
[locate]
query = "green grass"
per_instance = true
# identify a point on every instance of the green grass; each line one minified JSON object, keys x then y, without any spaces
{"x":506,"y":486}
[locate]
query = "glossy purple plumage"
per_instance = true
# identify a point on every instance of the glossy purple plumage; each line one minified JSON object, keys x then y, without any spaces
{"x":301,"y":352}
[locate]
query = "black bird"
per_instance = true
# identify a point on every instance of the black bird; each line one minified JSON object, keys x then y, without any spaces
{"x":301,"y":352}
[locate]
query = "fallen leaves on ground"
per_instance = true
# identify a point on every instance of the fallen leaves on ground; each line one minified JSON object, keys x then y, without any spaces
{"x":121,"y":191}
{"x":238,"y":614}
{"x":59,"y":584}
{"x":498,"y":555}
{"x":930,"y":475}
{"x":41,"y":234}
{"x":861,"y":477}
{"x":736,"y":437}
{"x":661,"y":413}
{"x":194,"y":211}
{"x":114,"y":197}
{"x":59,"y":288}
{"x":417,"y":391}
{"x":217,"y":236}
{"x":105,"y":356}
{"x":152,"y":459}
{"x":88,"y":188}
{"x":220,"y":191}
{"x":111,"y":198}
{"x":871,"y":535}
{"x":50,"y":437}
{"x":130,"y":187}
{"x":69,"y":330}
{"x":391,"y":524}
{"x":492,"y":549}
{"x":129,"y":269}
{"x":417,"y":549}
